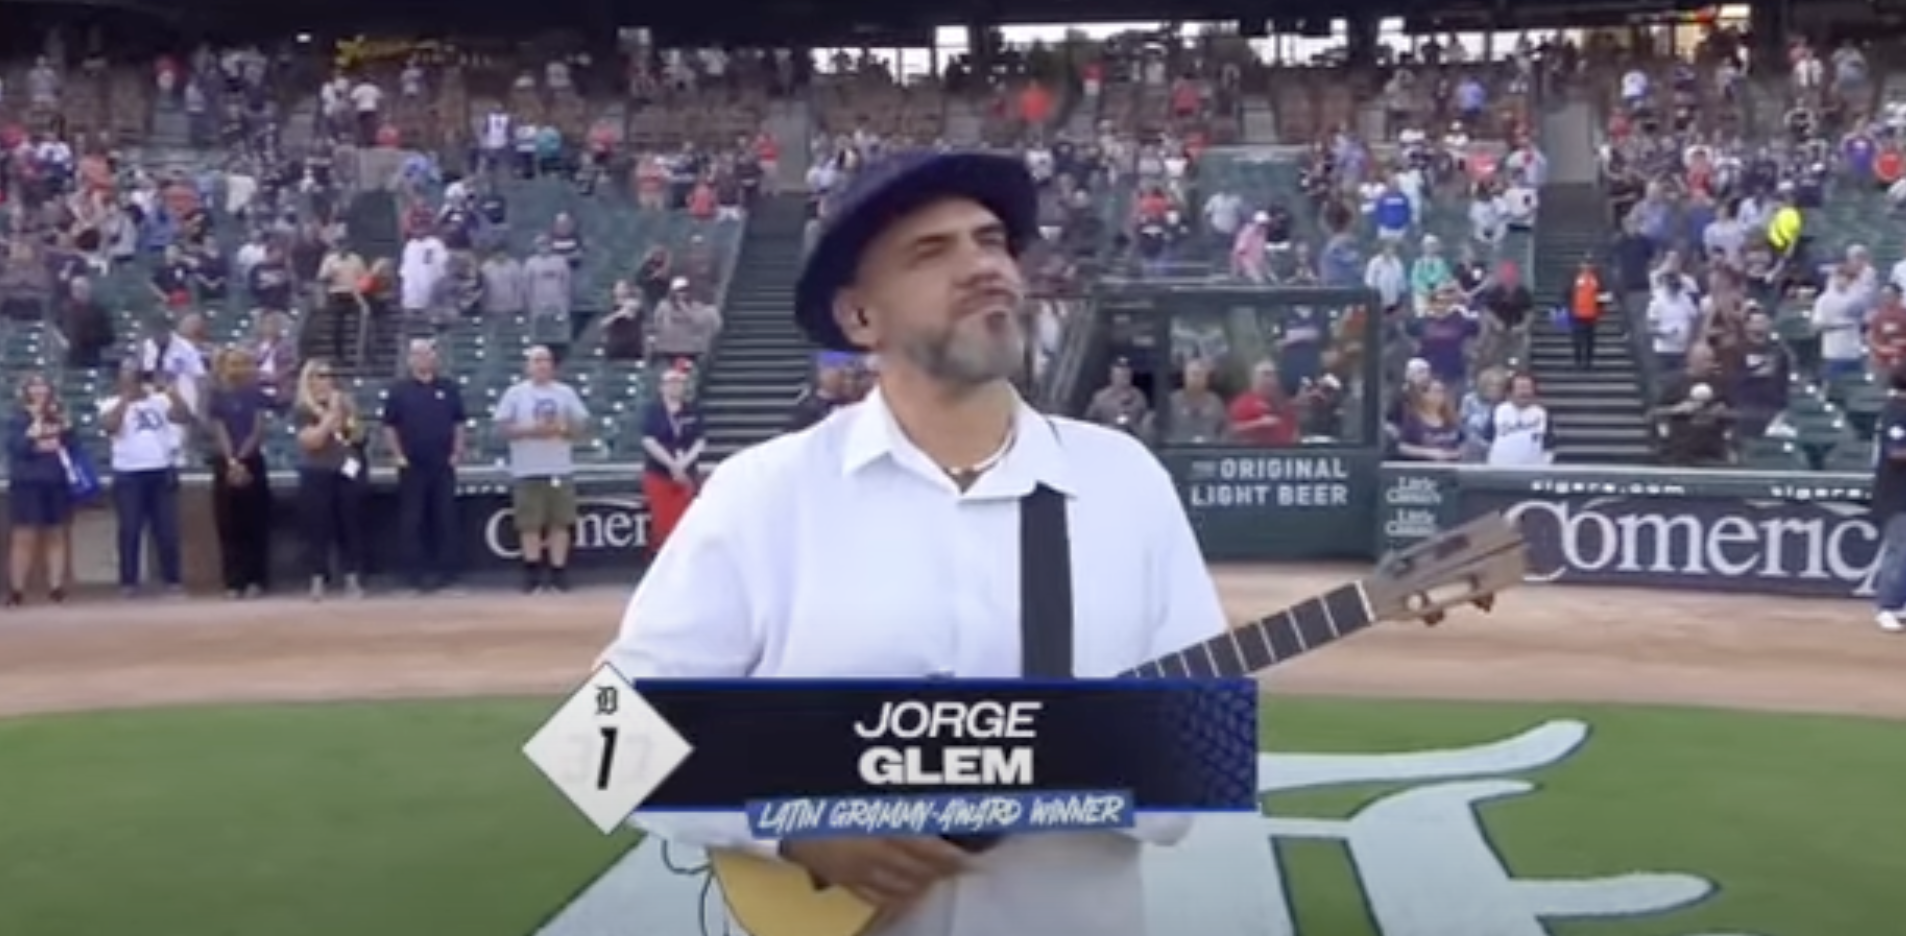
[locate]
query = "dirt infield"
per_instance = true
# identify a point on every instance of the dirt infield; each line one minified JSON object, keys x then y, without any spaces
{"x":1542,"y":643}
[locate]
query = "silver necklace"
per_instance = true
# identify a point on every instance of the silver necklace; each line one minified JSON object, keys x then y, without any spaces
{"x":964,"y":477}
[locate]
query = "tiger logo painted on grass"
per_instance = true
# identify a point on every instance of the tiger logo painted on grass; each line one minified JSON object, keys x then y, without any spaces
{"x":1423,"y":861}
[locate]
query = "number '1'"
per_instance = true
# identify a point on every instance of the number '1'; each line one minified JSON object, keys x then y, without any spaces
{"x":607,"y":763}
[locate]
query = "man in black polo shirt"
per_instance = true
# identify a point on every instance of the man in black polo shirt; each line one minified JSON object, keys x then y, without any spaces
{"x":423,"y":425}
{"x":1889,"y":507}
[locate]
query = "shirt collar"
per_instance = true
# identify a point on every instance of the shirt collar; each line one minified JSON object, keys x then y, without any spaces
{"x":1035,"y":457}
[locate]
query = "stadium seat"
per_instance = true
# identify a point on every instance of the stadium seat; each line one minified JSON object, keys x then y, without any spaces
{"x":1773,"y":455}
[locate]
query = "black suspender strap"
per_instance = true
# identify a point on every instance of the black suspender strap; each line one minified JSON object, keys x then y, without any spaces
{"x":1045,"y":603}
{"x":1045,"y":586}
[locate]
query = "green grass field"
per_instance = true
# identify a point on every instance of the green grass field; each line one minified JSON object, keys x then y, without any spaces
{"x":400,"y":819}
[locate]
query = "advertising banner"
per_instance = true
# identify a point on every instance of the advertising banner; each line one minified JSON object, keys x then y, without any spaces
{"x":609,"y":543}
{"x":612,"y":527}
{"x":1765,"y":545}
{"x":1265,"y":505}
{"x":1415,"y":502}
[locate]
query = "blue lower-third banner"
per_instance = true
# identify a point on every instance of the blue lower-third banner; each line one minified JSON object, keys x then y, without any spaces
{"x":1176,"y":745}
{"x":950,"y":814}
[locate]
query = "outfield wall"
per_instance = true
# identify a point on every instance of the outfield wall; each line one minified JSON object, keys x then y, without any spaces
{"x":610,"y":542}
{"x":1787,"y":533}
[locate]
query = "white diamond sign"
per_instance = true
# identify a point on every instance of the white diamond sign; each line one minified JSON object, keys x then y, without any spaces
{"x":606,"y":749}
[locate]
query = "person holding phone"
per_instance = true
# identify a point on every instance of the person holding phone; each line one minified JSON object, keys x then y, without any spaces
{"x":331,"y":480}
{"x":1120,"y":404}
{"x":144,"y":421}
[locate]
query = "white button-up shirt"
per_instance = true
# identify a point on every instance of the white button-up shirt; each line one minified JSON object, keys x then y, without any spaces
{"x":843,"y":551}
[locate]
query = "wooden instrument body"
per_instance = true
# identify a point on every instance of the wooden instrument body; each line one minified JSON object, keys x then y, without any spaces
{"x":775,"y":898}
{"x":1469,"y":565}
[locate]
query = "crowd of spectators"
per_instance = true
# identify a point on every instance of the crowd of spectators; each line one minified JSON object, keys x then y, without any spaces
{"x":1744,"y":209}
{"x":1433,"y":218}
{"x":206,"y":271}
{"x":1109,"y":131}
{"x":261,"y":269}
{"x":235,"y":311}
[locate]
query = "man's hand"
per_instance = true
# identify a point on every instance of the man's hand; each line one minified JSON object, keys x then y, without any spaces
{"x":886,"y":872}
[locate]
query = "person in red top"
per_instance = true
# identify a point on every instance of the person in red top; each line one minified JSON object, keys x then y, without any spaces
{"x":1618,"y":127}
{"x":767,"y":152}
{"x":1889,"y":165}
{"x":1152,"y":205}
{"x":1700,"y":171}
{"x":701,"y":201}
{"x":1092,"y":78}
{"x":1195,"y":145}
{"x":1886,"y":331}
{"x":1035,"y":105}
{"x":1263,"y":415}
{"x":1184,"y":98}
{"x":166,"y":73}
{"x":1481,"y":167}
{"x":95,"y":173}
{"x":602,"y":141}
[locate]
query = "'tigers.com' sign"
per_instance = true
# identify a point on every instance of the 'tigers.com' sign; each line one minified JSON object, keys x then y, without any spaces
{"x":604,"y":525}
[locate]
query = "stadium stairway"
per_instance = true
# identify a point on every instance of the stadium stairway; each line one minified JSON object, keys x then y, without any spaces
{"x":371,"y":218}
{"x":1599,"y":415}
{"x":760,"y":360}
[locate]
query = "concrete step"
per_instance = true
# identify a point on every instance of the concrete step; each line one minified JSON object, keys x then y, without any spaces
{"x":1596,"y":419}
{"x":1603,"y":454}
{"x":1557,"y":389}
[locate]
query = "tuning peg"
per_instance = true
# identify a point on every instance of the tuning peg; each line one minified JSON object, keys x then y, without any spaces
{"x":1487,"y":603}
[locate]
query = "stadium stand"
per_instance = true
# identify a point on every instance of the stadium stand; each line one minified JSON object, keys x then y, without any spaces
{"x":648,"y":210}
{"x":1701,"y":161}
{"x":368,"y":197}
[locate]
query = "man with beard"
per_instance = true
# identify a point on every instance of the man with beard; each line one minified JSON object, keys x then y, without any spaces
{"x":933,"y":528}
{"x":1758,"y":370}
{"x":1695,"y":413}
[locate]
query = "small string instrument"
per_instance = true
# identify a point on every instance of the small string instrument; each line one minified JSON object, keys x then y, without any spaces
{"x":1469,"y":565}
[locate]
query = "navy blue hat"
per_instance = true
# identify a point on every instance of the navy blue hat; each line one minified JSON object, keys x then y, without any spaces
{"x":884,"y":191}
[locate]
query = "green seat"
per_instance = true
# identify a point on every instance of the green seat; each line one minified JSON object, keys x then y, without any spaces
{"x":1819,"y":433}
{"x":1851,"y":457}
{"x":1807,"y":403}
{"x":1863,"y":404}
{"x":1773,"y":455}
{"x":1840,"y":386}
